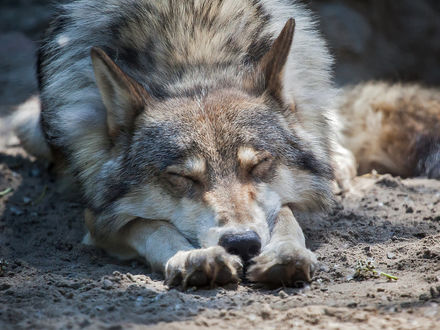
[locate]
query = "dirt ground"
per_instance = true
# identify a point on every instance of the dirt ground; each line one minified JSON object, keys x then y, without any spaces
{"x":49,"y":280}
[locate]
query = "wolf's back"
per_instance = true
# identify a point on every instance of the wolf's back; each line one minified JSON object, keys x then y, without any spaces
{"x":173,"y":47}
{"x":26,"y":123}
{"x":393,"y":128}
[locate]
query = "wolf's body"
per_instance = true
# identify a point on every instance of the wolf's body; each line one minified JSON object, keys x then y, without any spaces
{"x":197,"y":124}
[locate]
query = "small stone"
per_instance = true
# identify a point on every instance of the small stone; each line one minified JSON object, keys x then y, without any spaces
{"x":107,"y":284}
{"x":282,"y":294}
{"x":15,"y":210}
{"x":391,"y":255}
{"x":27,"y":200}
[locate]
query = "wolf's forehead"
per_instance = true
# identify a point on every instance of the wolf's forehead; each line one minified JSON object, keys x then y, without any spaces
{"x":214,"y":127}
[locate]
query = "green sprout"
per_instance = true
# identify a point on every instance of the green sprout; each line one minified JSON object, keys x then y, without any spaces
{"x":365,"y":269}
{"x":5,"y":192}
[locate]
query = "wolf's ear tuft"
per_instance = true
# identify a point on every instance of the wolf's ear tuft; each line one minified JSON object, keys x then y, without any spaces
{"x":122,"y":96}
{"x":270,"y":68}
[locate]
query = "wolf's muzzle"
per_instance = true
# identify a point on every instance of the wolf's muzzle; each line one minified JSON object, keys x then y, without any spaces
{"x":246,"y":244}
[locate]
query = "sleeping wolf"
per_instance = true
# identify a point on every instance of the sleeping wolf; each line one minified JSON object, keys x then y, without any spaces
{"x":196,"y":130}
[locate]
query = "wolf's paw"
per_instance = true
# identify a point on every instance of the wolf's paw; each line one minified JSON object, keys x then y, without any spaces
{"x":202,"y":267}
{"x":344,"y":165}
{"x":283,"y":263}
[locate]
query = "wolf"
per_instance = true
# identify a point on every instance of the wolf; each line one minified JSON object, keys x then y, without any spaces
{"x":196,"y":131}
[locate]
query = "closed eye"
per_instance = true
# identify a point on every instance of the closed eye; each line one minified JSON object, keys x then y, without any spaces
{"x":180,"y":178}
{"x":261,"y":169}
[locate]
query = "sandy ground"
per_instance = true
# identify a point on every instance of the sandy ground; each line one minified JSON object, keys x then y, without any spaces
{"x":48,"y":279}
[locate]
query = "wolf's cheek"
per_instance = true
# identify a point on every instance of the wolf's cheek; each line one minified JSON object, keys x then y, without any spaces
{"x":270,"y":202}
{"x":193,"y":219}
{"x":148,"y":202}
{"x":301,"y":189}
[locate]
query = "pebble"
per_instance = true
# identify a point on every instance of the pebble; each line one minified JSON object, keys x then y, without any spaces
{"x":15,"y":210}
{"x":26,"y":200}
{"x":107,"y":284}
{"x":282,"y":294}
{"x":391,"y":255}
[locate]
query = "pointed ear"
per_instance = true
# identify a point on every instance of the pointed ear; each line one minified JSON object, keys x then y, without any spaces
{"x":269,"y":70}
{"x":123,"y":97}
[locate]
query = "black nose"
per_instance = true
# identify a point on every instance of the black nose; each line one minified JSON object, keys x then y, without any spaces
{"x":246,"y":245}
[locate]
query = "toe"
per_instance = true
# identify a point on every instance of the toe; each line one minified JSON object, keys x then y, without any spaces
{"x":174,"y":279}
{"x":197,"y":278}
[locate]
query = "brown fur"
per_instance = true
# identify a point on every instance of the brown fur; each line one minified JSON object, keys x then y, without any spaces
{"x":383,"y":124}
{"x":152,"y":126}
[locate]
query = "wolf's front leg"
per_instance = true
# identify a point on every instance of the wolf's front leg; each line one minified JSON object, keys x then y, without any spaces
{"x":166,"y":250}
{"x":285,"y":260}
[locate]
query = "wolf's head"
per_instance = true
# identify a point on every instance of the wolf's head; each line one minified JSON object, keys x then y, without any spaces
{"x":218,"y":164}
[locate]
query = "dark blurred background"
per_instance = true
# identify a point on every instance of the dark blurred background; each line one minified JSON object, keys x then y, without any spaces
{"x":395,"y":40}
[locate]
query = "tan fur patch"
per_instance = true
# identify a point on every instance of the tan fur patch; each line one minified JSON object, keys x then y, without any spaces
{"x":247,"y":157}
{"x":232,"y":203}
{"x":194,"y":167}
{"x":383,"y":123}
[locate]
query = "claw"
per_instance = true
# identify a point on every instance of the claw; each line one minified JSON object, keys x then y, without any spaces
{"x":283,"y":264}
{"x":209,"y":266}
